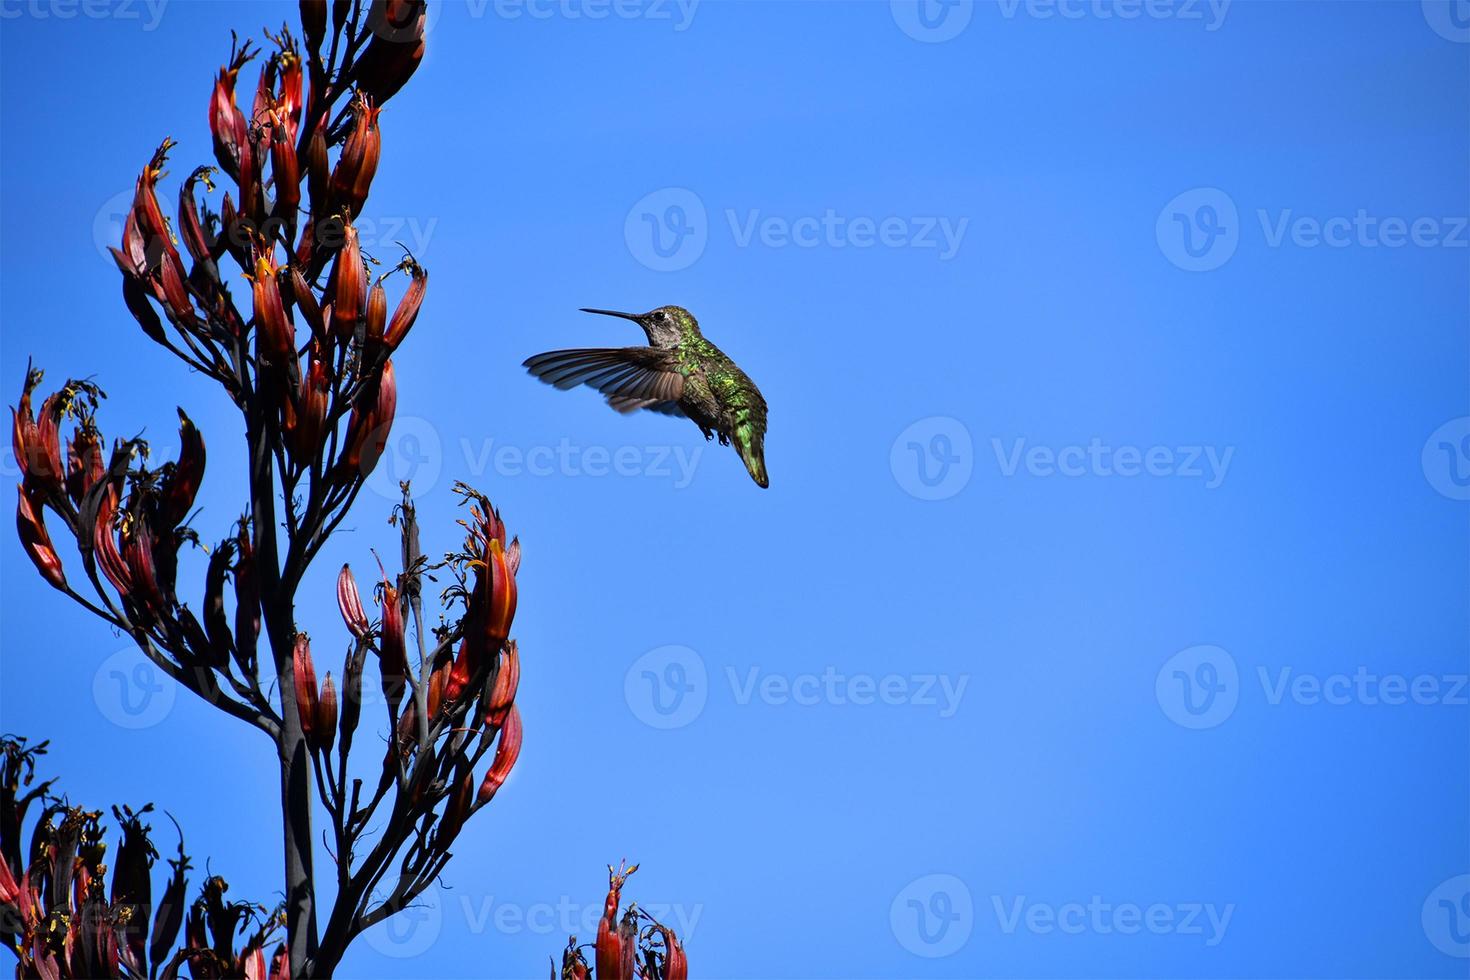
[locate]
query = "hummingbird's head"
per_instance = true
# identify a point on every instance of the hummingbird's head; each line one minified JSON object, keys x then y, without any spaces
{"x":665,"y":326}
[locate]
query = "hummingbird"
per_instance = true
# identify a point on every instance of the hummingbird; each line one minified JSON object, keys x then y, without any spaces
{"x":680,"y":373}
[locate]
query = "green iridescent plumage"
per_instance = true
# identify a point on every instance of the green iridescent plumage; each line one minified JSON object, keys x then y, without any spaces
{"x":680,"y":373}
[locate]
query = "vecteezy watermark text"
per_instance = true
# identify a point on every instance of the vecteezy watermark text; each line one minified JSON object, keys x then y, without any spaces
{"x":149,"y":12}
{"x":1098,"y":917}
{"x":1207,"y":463}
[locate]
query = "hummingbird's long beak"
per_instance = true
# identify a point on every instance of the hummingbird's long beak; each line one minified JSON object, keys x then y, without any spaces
{"x":625,"y":316}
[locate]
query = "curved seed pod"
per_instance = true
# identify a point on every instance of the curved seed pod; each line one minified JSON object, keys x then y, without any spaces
{"x":507,"y":750}
{"x":216,"y":625}
{"x":247,"y":601}
{"x":183,"y":483}
{"x":36,"y":542}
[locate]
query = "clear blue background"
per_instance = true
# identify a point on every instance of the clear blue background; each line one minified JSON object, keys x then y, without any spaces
{"x":790,"y":830}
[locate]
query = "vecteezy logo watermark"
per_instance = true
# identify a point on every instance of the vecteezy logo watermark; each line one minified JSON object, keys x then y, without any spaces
{"x":1446,"y":459}
{"x":1446,"y":917}
{"x":830,"y":687}
{"x":411,"y":930}
{"x":932,"y":21}
{"x":565,"y":916}
{"x":413,"y":451}
{"x":412,"y":454}
{"x":1207,"y":463}
{"x":1198,"y":687}
{"x":667,"y":687}
{"x":1102,"y":918}
{"x":1198,"y":230}
{"x":1211,"y":13}
{"x":933,"y":458}
{"x":669,"y":229}
{"x":679,"y":12}
{"x":149,"y":12}
{"x":933,"y":916}
{"x":131,"y":691}
{"x":1450,"y":19}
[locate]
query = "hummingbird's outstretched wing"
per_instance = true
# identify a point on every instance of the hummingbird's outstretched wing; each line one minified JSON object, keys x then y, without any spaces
{"x":630,"y":377}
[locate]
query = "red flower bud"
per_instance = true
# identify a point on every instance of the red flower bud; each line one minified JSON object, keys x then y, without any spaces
{"x":456,"y":810}
{"x":37,"y":543}
{"x":507,"y":680}
{"x":358,"y":163}
{"x":609,"y":943}
{"x":368,"y":427}
{"x":306,"y":420}
{"x":84,"y":466}
{"x":349,"y":278}
{"x":104,"y":544}
{"x":285,"y":170}
{"x":408,"y":307}
{"x":304,"y":675}
{"x":392,"y":654}
{"x":275,"y":336}
{"x":137,"y":552}
{"x":191,"y":229}
{"x":397,"y":47}
{"x":350,"y":603}
{"x":326,"y":716}
{"x":231,"y":131}
{"x":377,"y":317}
{"x":306,"y":302}
{"x":507,"y":750}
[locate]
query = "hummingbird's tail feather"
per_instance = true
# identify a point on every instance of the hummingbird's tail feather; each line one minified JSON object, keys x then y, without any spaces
{"x":750,"y":443}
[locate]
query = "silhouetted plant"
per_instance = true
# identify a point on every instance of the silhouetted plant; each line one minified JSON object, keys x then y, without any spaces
{"x":309,"y":365}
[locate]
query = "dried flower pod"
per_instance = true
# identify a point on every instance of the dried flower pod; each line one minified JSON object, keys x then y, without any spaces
{"x":285,"y":169}
{"x":104,"y":543}
{"x":397,"y":47}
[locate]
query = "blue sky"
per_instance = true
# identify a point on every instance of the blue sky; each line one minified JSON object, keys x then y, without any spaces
{"x":1106,"y":615}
